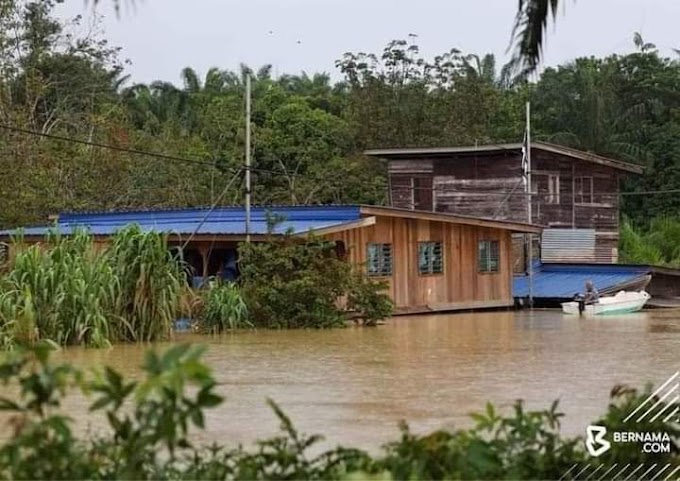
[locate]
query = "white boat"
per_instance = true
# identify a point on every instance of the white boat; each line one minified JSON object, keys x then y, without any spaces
{"x":621,"y":303}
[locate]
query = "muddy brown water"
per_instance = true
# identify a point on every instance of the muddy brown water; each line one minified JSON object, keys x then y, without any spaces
{"x":354,"y":385}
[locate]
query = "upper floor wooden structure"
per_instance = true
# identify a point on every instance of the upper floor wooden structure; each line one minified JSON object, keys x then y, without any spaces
{"x":571,"y":189}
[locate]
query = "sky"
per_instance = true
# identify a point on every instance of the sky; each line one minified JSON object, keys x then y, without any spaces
{"x":161,"y":37}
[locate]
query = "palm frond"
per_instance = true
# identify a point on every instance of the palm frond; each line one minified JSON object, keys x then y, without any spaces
{"x":528,"y":33}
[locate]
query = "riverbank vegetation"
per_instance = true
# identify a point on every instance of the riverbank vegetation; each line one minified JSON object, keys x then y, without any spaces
{"x":71,"y":291}
{"x":151,"y":424}
{"x":656,"y":244}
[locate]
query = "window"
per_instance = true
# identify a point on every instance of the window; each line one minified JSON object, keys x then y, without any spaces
{"x":340,"y":250}
{"x":379,"y":259}
{"x":583,"y":190}
{"x":422,"y":193}
{"x":430,"y":258}
{"x":488,"y":256}
{"x":553,"y":189}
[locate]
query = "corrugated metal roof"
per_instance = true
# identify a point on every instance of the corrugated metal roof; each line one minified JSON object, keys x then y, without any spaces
{"x":221,"y":220}
{"x":566,"y":280}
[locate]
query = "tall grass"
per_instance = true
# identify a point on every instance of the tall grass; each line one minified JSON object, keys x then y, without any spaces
{"x":70,"y":292}
{"x":224,"y":308}
{"x":150,"y":281}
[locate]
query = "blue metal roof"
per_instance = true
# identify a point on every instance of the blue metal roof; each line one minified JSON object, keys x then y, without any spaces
{"x":563,"y":281}
{"x":221,"y":220}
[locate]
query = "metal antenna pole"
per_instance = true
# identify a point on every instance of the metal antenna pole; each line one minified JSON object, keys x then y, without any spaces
{"x":529,"y":208}
{"x":248,"y":157}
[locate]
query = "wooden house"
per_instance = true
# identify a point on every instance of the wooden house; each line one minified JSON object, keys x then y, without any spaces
{"x":431,"y":261}
{"x":574,"y":194}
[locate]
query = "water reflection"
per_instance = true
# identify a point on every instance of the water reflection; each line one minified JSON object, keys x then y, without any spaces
{"x":355,"y":385}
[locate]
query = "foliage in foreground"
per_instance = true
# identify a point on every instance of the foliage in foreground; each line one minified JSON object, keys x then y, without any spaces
{"x":149,"y":433}
{"x":290,"y":283}
{"x":69,"y":291}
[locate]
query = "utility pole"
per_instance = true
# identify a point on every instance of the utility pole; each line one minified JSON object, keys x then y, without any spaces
{"x":248,"y":157}
{"x":529,"y":208}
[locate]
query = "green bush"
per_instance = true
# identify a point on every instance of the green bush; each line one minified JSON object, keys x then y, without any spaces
{"x":223,"y":308}
{"x":150,"y":423}
{"x":290,"y":282}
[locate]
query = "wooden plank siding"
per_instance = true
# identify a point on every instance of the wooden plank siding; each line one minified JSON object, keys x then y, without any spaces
{"x":489,"y":184}
{"x":459,"y":286}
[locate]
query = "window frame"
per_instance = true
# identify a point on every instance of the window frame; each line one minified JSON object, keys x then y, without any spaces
{"x":489,"y":245}
{"x":429,"y":249}
{"x":384,"y":261}
{"x":579,"y":192}
{"x":553,"y":189}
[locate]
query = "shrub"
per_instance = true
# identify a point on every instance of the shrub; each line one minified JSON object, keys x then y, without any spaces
{"x":290,"y":282}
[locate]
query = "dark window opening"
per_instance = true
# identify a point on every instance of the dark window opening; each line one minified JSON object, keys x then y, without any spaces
{"x":223,"y":265}
{"x":340,"y":250}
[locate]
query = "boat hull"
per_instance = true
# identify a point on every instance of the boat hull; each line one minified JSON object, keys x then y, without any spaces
{"x":622,"y":303}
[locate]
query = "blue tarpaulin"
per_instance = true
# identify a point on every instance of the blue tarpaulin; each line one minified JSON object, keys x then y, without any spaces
{"x":563,"y":281}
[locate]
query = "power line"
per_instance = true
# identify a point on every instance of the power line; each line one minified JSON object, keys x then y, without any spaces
{"x":174,"y":158}
{"x":154,"y":154}
{"x":212,"y":208}
{"x":106,"y":146}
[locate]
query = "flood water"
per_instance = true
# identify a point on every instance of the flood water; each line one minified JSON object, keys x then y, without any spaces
{"x":354,"y":385}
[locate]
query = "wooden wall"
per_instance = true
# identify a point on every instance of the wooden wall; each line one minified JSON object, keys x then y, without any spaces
{"x":490,"y":184}
{"x":460,"y":286}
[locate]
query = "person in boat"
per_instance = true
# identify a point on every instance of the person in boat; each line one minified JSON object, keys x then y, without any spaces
{"x":591,"y":296}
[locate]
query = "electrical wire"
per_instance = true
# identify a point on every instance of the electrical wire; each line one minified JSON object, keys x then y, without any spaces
{"x":212,"y":208}
{"x":237,"y":170}
{"x":106,"y":146}
{"x":171,"y":158}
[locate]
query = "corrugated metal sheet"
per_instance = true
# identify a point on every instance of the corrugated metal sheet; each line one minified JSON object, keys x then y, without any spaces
{"x":564,"y":281}
{"x":569,"y":245}
{"x":222,"y":220}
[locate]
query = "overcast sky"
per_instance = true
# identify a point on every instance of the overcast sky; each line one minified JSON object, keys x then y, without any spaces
{"x":160,"y":37}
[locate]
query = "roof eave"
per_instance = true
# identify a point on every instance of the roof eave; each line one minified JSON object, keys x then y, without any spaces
{"x":519,"y":227}
{"x":425,"y":153}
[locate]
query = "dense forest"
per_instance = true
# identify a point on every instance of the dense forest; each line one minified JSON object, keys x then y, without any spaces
{"x":62,"y":80}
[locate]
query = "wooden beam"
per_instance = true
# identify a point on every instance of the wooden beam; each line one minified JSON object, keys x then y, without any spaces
{"x":205,"y":258}
{"x":450,"y":219}
{"x":357,"y":224}
{"x":453,"y":306}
